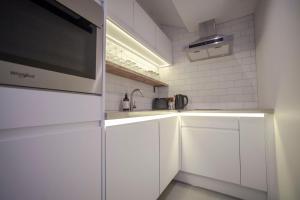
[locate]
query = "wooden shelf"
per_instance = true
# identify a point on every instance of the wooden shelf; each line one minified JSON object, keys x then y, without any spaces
{"x":130,"y":74}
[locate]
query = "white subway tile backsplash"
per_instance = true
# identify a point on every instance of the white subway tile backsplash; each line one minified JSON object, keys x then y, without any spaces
{"x":117,"y":86}
{"x":221,"y":83}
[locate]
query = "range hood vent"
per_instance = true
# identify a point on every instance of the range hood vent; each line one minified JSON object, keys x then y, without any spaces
{"x":210,"y":44}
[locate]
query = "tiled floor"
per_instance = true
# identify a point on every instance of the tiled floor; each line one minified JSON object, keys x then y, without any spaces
{"x":180,"y":191}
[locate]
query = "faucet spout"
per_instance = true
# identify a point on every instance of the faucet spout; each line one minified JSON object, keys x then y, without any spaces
{"x":132,"y":102}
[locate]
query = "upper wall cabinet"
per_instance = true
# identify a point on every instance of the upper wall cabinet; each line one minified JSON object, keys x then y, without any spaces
{"x":144,"y":25}
{"x":121,"y":11}
{"x":163,"y":45}
{"x":131,"y":17}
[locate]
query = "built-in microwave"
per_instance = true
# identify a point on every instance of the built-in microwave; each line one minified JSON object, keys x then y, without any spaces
{"x":52,"y":44}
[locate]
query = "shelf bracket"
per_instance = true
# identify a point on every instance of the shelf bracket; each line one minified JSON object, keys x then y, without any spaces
{"x":154,"y":88}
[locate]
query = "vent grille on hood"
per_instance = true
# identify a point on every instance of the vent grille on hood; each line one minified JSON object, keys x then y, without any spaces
{"x":212,"y":41}
{"x":210,"y":45}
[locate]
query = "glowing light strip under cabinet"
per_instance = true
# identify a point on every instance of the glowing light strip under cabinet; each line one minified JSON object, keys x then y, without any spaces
{"x":223,"y":114}
{"x":132,"y":50}
{"x":130,"y":120}
{"x":136,"y":42}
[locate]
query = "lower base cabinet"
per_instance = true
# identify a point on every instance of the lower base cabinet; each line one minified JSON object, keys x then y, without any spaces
{"x":253,"y":153}
{"x":132,"y":161}
{"x":143,"y":158}
{"x":226,"y":148}
{"x":213,"y":153}
{"x":47,"y":163}
{"x":169,"y":151}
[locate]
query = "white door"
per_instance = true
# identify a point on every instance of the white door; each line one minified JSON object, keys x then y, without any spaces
{"x":144,"y":25}
{"x":253,"y":154}
{"x":121,"y":11}
{"x":163,"y":45}
{"x":50,"y":164}
{"x":132,"y":161}
{"x":169,"y":150}
{"x":212,"y":153}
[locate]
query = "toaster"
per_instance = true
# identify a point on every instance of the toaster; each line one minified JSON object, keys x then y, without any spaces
{"x":160,"y":104}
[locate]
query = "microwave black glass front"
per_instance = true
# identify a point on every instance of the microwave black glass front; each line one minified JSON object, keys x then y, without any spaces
{"x":50,"y":44}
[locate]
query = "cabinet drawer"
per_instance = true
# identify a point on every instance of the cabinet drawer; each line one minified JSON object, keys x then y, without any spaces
{"x":210,"y":122}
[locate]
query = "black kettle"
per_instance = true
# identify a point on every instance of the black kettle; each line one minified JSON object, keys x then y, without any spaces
{"x":181,"y":101}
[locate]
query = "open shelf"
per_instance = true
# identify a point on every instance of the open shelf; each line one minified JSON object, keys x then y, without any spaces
{"x":130,"y":74}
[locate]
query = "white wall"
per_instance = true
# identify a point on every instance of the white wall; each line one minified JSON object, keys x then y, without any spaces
{"x":227,"y":82}
{"x":117,"y":86}
{"x":277,"y":24}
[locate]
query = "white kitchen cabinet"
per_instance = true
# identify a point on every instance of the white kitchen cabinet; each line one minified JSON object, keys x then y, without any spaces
{"x":132,"y":161}
{"x":169,"y":150}
{"x":210,"y":122}
{"x":163,"y":45}
{"x":121,"y":11}
{"x":44,"y":163}
{"x":133,"y":18}
{"x":144,"y":25}
{"x":23,"y":107}
{"x":253,"y":154}
{"x":212,"y":153}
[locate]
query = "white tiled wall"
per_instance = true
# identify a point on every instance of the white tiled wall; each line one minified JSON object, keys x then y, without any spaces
{"x":226,"y":82}
{"x":116,"y":87}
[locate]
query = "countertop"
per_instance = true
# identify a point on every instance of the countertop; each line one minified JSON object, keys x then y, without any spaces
{"x":122,"y":115}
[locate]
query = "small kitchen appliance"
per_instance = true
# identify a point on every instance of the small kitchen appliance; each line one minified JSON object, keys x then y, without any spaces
{"x":160,"y":104}
{"x":181,"y":101}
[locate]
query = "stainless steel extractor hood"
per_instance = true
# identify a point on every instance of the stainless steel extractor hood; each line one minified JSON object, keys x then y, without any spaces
{"x":210,"y":44}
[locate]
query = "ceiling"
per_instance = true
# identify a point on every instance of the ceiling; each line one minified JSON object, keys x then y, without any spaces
{"x":188,"y":13}
{"x":163,"y":12}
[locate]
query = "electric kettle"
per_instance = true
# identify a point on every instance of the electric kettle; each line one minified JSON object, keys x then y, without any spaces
{"x":181,"y":101}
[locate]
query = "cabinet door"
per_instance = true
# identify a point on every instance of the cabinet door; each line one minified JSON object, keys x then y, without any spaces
{"x":121,"y":11}
{"x":169,"y":151}
{"x":132,"y":161}
{"x":65,"y":165}
{"x":212,"y":153}
{"x":253,"y":154}
{"x":144,"y":25}
{"x":163,"y":45}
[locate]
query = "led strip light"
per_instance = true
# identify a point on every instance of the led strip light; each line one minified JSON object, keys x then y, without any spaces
{"x":113,"y":28}
{"x":130,"y":120}
{"x":114,"y":122}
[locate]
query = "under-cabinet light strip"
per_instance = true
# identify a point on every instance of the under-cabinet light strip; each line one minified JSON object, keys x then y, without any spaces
{"x":203,"y":114}
{"x":115,"y":122}
{"x":132,"y":50}
{"x":130,"y":120}
{"x":136,"y":42}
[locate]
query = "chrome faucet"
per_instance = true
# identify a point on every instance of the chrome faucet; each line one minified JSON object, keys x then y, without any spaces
{"x":132,"y":102}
